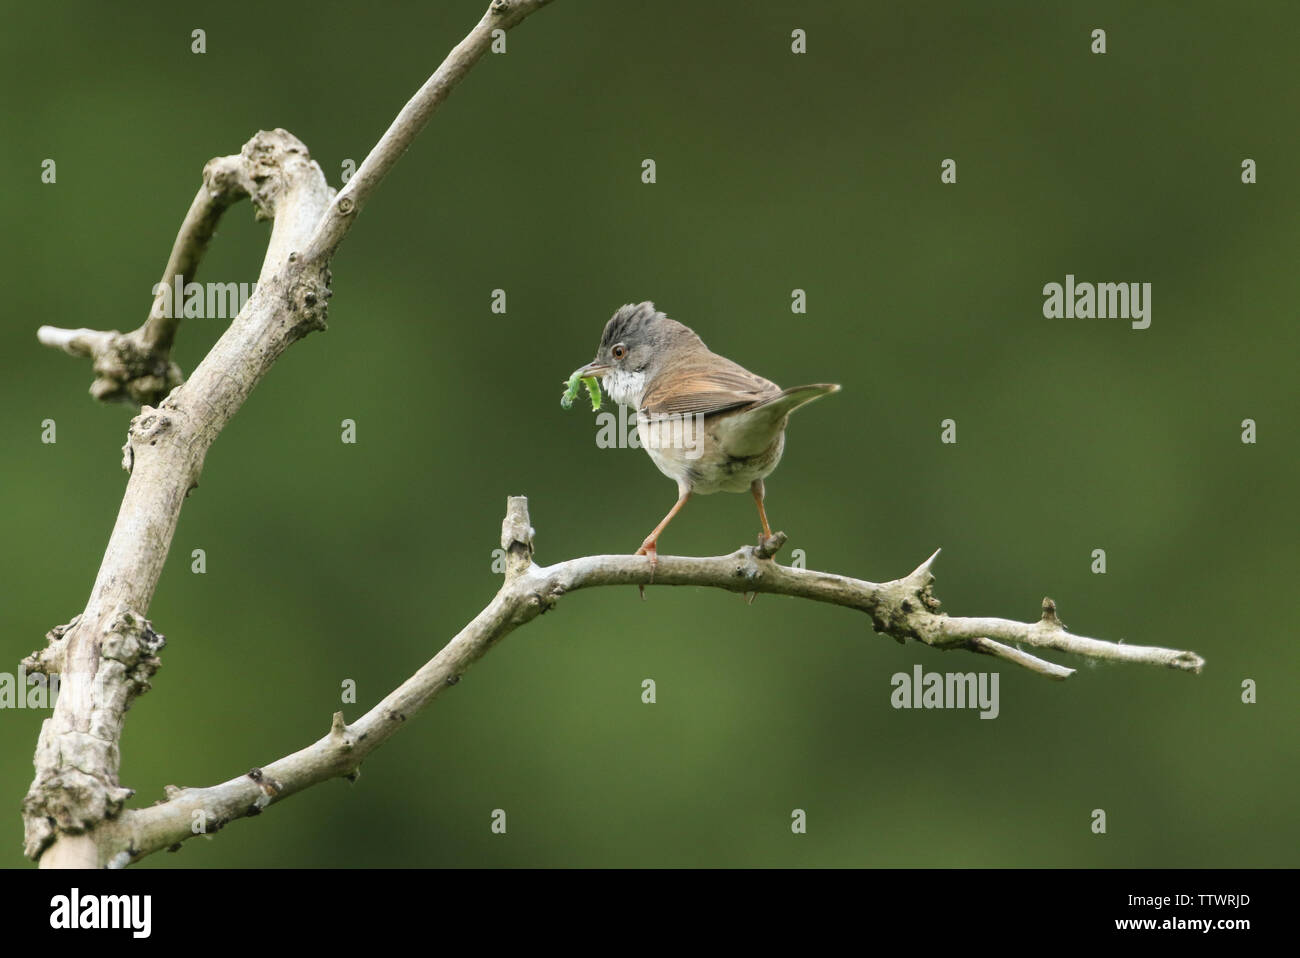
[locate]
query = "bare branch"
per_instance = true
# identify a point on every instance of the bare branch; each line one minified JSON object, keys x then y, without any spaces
{"x":136,"y":367}
{"x":213,"y":198}
{"x":501,"y":15}
{"x":903,"y":609}
{"x":1017,"y":657}
{"x":74,"y":342}
{"x":107,"y":654}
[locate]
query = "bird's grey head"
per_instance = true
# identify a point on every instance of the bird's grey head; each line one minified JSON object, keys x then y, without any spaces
{"x":636,"y":342}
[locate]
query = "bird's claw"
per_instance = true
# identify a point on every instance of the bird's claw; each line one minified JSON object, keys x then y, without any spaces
{"x":649,"y":550}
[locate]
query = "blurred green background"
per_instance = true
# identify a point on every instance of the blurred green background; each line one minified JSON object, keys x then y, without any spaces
{"x":329,"y":561}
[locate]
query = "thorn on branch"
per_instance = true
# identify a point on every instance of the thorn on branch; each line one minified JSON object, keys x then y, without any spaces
{"x":1050,"y":617}
{"x":924,"y":568}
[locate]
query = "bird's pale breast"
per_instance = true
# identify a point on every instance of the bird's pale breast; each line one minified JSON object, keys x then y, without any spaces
{"x":697,"y":453}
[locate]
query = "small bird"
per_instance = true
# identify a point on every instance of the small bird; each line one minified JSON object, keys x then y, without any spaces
{"x":709,"y":424}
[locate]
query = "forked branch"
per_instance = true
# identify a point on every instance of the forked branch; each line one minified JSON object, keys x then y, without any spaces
{"x":902,"y":609}
{"x":106,"y":655}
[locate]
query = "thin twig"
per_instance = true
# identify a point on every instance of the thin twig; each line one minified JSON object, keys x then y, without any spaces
{"x":351,"y":200}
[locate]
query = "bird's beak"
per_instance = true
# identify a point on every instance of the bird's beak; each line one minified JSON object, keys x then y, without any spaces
{"x":594,"y":368}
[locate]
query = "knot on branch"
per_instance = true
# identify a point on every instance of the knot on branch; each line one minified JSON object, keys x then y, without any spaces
{"x":71,"y":801}
{"x":76,"y":784}
{"x":269,"y":786}
{"x":308,"y":299}
{"x":132,"y":642}
{"x":545,"y":600}
{"x":260,"y":171}
{"x":127,"y":370}
{"x":514,"y":10}
{"x":147,"y":428}
{"x":49,"y":660}
{"x":750,"y":564}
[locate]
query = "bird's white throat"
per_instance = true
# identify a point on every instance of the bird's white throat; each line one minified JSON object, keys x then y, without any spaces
{"x":625,"y":386}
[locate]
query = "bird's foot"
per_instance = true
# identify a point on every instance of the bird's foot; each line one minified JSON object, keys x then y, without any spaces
{"x":769,"y":546}
{"x":650,"y":550}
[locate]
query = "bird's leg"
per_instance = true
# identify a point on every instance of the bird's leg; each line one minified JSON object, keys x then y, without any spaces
{"x":649,"y":548}
{"x":651,"y":541}
{"x":756,"y":487}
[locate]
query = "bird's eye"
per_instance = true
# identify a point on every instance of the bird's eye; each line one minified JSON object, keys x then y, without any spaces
{"x":619,"y":351}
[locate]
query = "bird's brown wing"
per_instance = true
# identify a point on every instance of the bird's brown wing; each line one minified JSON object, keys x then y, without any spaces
{"x":706,"y":385}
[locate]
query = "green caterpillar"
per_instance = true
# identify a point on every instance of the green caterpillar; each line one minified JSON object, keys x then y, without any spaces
{"x":571,"y":391}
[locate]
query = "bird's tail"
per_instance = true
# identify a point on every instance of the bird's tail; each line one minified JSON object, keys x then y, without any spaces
{"x":753,"y":432}
{"x":788,"y":400}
